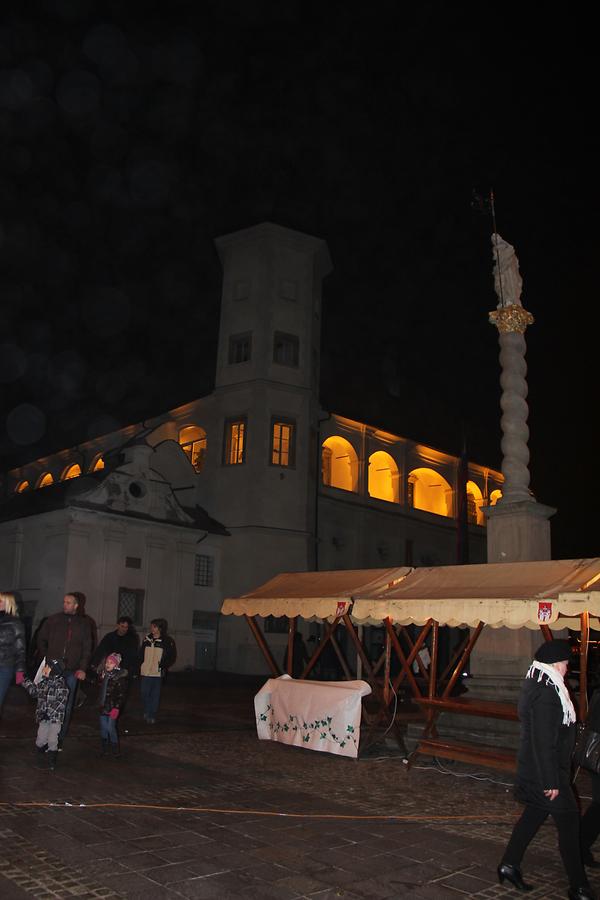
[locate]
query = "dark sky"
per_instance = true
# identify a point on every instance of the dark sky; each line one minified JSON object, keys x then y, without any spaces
{"x":133,"y":134}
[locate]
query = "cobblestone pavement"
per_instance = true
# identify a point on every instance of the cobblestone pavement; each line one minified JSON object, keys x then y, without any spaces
{"x":197,"y":807}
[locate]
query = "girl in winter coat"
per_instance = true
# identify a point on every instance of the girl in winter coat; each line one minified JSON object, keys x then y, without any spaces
{"x":113,"y":690}
{"x":543,"y":782}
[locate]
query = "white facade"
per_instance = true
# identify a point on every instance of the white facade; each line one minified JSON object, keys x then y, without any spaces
{"x":278,"y":485}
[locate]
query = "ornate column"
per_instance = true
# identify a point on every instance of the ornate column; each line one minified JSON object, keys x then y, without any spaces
{"x":517,"y":526}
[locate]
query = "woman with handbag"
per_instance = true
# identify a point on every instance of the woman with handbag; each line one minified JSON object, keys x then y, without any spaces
{"x":590,"y":823}
{"x":543,"y":782}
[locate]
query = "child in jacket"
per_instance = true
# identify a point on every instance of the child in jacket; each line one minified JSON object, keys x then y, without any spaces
{"x":52,"y":694}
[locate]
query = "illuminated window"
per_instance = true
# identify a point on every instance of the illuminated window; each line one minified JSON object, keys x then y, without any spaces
{"x":234,"y":448}
{"x":98,"y":464}
{"x":286,"y":349}
{"x":474,"y":503}
{"x":339,"y":464}
{"x":428,"y":490}
{"x":494,"y":497}
{"x":240,"y":348}
{"x":192,"y":439}
{"x":22,"y":486}
{"x":384,"y":477}
{"x":45,"y":480}
{"x":73,"y":471}
{"x":283,"y":442}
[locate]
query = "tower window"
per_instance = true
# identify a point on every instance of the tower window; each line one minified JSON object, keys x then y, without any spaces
{"x":240,"y":348}
{"x":192,"y":440}
{"x":286,"y":349}
{"x":234,"y":448}
{"x":283,"y":443}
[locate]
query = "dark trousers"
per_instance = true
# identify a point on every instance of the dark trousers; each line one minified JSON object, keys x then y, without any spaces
{"x":7,"y":673}
{"x":567,"y":822}
{"x":72,"y":685}
{"x":150,"y":691}
{"x":590,"y":823}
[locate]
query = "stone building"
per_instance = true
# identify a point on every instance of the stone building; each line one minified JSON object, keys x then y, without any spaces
{"x":212,"y":498}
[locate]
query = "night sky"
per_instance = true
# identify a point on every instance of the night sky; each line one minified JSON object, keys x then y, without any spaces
{"x":134,"y":134}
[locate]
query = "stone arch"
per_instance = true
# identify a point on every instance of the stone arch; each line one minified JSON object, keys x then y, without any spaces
{"x":97,"y":463}
{"x":474,"y":504}
{"x":339,"y":464}
{"x":495,"y":496}
{"x":45,"y":480}
{"x":384,"y":477}
{"x":193,"y":441}
{"x":73,"y":471}
{"x":22,"y":486}
{"x":428,"y":490}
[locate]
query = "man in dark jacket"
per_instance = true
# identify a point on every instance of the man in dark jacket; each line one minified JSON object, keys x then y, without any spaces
{"x":124,"y":641}
{"x":67,"y":636}
{"x":12,"y":645}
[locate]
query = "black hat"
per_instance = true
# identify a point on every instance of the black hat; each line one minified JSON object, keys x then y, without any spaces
{"x":553,"y":651}
{"x":56,"y":667}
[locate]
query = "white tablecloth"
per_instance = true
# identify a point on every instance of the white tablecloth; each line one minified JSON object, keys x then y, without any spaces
{"x":319,"y":715}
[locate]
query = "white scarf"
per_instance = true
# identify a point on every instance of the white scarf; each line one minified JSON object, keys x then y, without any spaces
{"x":557,"y":680}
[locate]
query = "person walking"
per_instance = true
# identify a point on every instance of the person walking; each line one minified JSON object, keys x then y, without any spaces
{"x":12,"y":645}
{"x":67,"y":637}
{"x":124,"y":641}
{"x":113,"y":690}
{"x":52,"y":694}
{"x":590,"y":823}
{"x":157,"y":655}
{"x":543,"y":781}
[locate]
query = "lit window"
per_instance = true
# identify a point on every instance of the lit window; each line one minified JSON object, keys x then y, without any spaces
{"x":286,"y":349}
{"x":98,"y":465}
{"x":192,"y":440}
{"x":22,"y":486}
{"x":339,"y":464}
{"x":204,"y":568}
{"x":45,"y":480}
{"x":494,"y":497}
{"x":240,"y":348}
{"x":73,"y":471}
{"x":384,"y":478}
{"x":234,"y":450}
{"x":474,"y":503}
{"x":428,"y":490}
{"x":283,"y":443}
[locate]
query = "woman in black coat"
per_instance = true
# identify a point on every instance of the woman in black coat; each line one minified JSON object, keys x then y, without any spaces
{"x":590,"y":824}
{"x":543,"y":782}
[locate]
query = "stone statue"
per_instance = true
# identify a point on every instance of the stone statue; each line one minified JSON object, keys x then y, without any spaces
{"x":507,"y":279}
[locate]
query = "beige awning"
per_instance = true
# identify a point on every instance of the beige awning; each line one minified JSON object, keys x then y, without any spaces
{"x":514,"y":595}
{"x":312,"y":594}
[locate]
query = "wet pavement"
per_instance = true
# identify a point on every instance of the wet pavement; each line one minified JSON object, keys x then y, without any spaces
{"x":197,"y":807}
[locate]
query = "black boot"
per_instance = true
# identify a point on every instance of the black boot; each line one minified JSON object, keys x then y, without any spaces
{"x":510,"y":873}
{"x":104,"y":749}
{"x":52,"y":755}
{"x":582,"y":893}
{"x":116,"y":750}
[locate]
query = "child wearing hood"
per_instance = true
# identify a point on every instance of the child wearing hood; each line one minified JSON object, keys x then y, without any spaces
{"x":52,"y":693}
{"x":113,"y":689}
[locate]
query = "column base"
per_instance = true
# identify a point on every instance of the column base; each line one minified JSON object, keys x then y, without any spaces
{"x":518,"y":532}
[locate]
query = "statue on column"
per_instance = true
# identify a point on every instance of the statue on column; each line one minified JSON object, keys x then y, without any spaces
{"x":507,"y":278}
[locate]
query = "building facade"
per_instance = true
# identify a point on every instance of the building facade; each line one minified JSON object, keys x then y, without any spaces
{"x":210,"y":499}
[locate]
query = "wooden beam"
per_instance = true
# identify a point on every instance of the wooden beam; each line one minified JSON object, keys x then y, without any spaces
{"x":263,"y":645}
{"x":290,"y":644}
{"x":464,"y":658}
{"x":583,"y":663}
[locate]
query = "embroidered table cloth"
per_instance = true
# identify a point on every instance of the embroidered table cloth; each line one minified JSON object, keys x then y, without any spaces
{"x":318,"y":715}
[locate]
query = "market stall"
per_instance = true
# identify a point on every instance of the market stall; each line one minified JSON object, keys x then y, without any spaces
{"x":546,"y":595}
